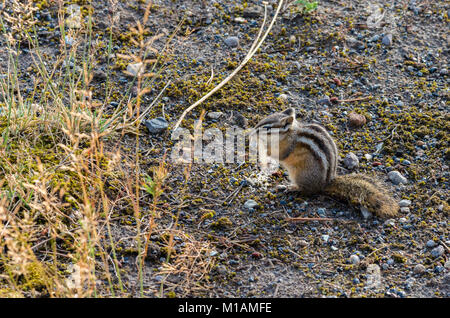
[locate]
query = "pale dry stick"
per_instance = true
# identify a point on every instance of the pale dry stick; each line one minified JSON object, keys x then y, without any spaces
{"x":256,"y":45}
{"x":211,"y":77}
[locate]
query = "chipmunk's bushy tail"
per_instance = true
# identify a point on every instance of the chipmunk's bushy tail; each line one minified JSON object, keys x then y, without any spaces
{"x":359,"y":189}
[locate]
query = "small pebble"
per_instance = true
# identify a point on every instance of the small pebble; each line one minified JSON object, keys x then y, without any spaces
{"x":240,"y":20}
{"x":356,"y":120}
{"x":213,"y":253}
{"x":387,"y":39}
{"x":232,"y":41}
{"x":397,"y":178}
{"x":375,"y":38}
{"x":302,"y":243}
{"x":354,"y":259}
{"x":221,"y":269}
{"x":404,"y":203}
{"x":404,"y":210}
{"x":447,"y":264}
{"x":439,"y":269}
{"x":156,"y":125}
{"x":351,"y":161}
{"x":250,"y":204}
{"x":431,"y":243}
{"x":214,"y":115}
{"x":252,"y":12}
{"x":419,"y":269}
{"x":437,"y":251}
{"x":324,"y":101}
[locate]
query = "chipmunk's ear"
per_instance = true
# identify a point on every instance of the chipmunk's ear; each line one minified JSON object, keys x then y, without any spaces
{"x":286,"y":122}
{"x":290,"y":112}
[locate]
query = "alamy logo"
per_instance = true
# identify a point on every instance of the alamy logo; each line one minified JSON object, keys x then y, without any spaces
{"x":235,"y":145}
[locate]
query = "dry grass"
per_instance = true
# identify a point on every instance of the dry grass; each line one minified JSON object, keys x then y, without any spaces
{"x":62,"y":171}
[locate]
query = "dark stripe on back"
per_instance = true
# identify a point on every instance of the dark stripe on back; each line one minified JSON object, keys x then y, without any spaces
{"x":321,"y":141}
{"x":316,"y":155}
{"x":323,"y":132}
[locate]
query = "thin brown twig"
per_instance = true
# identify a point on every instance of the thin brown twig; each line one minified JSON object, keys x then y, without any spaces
{"x":303,"y":219}
{"x":354,"y":99}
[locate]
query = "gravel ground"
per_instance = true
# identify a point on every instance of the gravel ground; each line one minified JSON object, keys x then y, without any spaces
{"x":329,"y":65}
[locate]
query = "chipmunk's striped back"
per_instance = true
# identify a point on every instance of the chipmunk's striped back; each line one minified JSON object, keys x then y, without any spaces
{"x":322,"y":147}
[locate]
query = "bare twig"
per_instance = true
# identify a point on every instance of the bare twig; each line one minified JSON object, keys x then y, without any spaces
{"x":255,"y":46}
{"x":301,"y":219}
{"x":354,"y":99}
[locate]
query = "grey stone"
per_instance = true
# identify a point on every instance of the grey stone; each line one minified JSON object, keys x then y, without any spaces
{"x":321,"y":211}
{"x":250,"y":204}
{"x":431,"y":243}
{"x":404,"y":203}
{"x":252,"y":12}
{"x":213,"y":253}
{"x":375,"y":38}
{"x":404,"y":210}
{"x":232,"y":41}
{"x":437,"y":251}
{"x":354,"y":259}
{"x":324,"y":101}
{"x":351,"y":161}
{"x":447,"y":264}
{"x":302,"y":243}
{"x":221,"y":269}
{"x":419,"y":269}
{"x":156,"y":125}
{"x":396,"y":177}
{"x":387,"y":39}
{"x":214,"y":115}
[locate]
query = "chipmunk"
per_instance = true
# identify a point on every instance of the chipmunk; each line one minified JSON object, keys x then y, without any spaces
{"x":310,"y":156}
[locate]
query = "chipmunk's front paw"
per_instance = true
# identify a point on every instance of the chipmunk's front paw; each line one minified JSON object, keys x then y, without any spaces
{"x":289,"y":188}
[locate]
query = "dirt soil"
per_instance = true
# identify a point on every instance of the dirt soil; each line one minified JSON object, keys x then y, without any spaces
{"x":326,"y":64}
